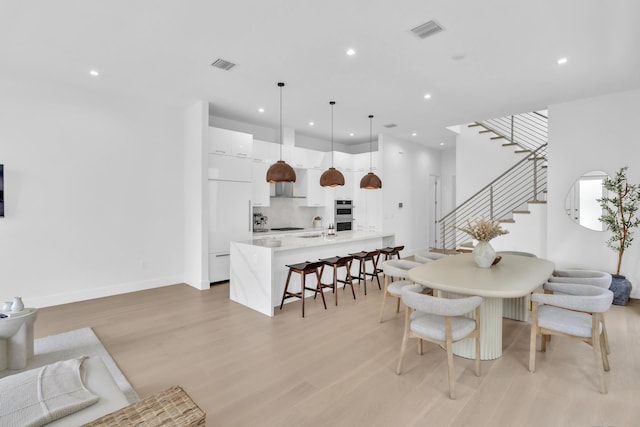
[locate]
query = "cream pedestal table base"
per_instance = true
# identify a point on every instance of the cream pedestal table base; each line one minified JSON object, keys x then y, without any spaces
{"x":457,"y":275}
{"x":16,"y":339}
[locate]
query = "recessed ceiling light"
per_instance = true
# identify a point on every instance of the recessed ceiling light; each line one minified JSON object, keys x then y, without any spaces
{"x":260,"y":110}
{"x":562,"y":61}
{"x":311,"y":123}
{"x":427,"y":96}
{"x":94,"y":73}
{"x":351,"y":52}
{"x":414,"y":134}
{"x":351,"y":134}
{"x":442,"y":143}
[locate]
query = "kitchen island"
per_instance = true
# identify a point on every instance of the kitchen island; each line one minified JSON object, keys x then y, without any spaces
{"x":259,"y":266}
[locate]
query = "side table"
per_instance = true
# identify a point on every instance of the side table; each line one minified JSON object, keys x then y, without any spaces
{"x":16,"y":339}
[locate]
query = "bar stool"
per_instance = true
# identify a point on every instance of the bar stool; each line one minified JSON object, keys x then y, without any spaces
{"x":389,"y":252}
{"x":303,"y":269}
{"x":337,"y":262}
{"x":362,"y":257}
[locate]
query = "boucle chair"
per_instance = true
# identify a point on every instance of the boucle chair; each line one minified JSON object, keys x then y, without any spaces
{"x":583,"y":277}
{"x":577,"y":313}
{"x":395,"y":268}
{"x":426,"y":256}
{"x":600,"y":279}
{"x":440,"y":321}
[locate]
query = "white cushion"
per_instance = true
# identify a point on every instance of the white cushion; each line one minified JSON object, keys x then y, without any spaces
{"x":566,"y":321}
{"x":433,"y":326}
{"x":395,"y":288}
{"x":398,"y":267}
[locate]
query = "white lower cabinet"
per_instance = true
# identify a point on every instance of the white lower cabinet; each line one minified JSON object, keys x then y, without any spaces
{"x":219,"y":264}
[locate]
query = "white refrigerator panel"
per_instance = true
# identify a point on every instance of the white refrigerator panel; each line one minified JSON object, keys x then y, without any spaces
{"x":230,"y":214}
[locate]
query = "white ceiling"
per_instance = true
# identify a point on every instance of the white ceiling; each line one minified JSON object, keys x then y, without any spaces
{"x":161,"y":49}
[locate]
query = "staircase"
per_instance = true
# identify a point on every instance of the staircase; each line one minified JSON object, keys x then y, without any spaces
{"x":522,"y":184}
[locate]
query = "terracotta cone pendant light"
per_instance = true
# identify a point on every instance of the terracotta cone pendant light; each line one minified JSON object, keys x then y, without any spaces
{"x":370,"y":181}
{"x":331,"y":177}
{"x":280,"y":171}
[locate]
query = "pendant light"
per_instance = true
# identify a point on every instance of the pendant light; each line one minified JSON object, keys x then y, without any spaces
{"x":370,"y":181}
{"x":280,"y":171}
{"x":331,"y":177}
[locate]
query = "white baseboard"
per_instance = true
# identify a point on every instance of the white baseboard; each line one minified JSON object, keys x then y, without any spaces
{"x":106,"y":291}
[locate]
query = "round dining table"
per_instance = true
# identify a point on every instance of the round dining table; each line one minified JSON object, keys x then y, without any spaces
{"x":458,"y":276}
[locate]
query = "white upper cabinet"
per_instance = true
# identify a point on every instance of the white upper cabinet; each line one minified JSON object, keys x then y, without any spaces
{"x":229,"y":155}
{"x":260,"y":188}
{"x":315,"y":193}
{"x":262,"y":151}
{"x":343,"y":161}
{"x":230,"y":143}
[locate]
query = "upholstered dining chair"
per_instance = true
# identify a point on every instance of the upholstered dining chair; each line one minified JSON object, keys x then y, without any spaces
{"x":577,"y":276}
{"x":578,"y":313}
{"x":600,"y":279}
{"x":426,"y":256}
{"x":440,"y":321}
{"x":395,"y":269}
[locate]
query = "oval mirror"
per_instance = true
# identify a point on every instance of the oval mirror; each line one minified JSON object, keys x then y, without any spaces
{"x":582,"y":201}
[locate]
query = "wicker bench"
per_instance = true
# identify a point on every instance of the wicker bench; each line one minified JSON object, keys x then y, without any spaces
{"x":172,"y":407}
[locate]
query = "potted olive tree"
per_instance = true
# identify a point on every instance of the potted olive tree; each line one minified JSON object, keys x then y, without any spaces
{"x":620,"y":216}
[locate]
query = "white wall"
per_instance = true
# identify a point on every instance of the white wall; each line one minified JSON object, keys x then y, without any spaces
{"x":592,"y":134}
{"x":479,"y":160}
{"x":406,"y":167}
{"x":93,"y":194}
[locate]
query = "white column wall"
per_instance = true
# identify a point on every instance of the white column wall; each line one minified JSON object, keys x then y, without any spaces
{"x":93,"y":193}
{"x":406,"y":167}
{"x":591,"y":134}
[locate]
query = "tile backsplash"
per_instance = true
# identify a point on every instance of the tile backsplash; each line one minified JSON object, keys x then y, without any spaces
{"x":285,"y":212}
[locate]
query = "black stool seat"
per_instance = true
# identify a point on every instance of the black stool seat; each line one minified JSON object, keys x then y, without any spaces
{"x":337,"y":262}
{"x":303,"y":268}
{"x":389,"y":252}
{"x":362,"y":257}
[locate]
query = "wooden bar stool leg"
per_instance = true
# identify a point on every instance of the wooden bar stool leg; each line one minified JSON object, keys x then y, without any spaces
{"x":286,"y":286}
{"x":319,"y":289}
{"x":302,"y":289}
{"x":350,"y":282}
{"x":335,"y":282}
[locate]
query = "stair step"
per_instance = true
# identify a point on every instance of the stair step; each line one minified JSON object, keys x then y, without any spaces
{"x":538,"y":202}
{"x":544,"y":166}
{"x":498,"y":137}
{"x":522,"y":151}
{"x":509,"y":144}
{"x":521,"y":212}
{"x":485,"y":131}
{"x":537,"y":158}
{"x":474,"y":125}
{"x":507,"y":220}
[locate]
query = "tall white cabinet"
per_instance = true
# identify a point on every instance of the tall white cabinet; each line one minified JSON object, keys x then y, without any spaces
{"x":230,"y":194}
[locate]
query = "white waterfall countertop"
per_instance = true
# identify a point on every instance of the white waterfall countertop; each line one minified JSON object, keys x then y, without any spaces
{"x":312,"y":239}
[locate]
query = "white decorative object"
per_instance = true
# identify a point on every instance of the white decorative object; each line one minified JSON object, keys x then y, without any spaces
{"x":6,"y":306}
{"x":17,"y":304}
{"x":484,"y":254}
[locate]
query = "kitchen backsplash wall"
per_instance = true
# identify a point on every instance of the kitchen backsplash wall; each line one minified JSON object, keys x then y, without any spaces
{"x":285,"y":212}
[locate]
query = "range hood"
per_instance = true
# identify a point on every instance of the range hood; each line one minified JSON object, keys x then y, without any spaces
{"x":286,"y":190}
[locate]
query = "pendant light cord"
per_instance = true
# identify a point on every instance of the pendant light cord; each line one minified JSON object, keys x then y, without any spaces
{"x":332,"y":152}
{"x":280,"y":84}
{"x":370,"y":142}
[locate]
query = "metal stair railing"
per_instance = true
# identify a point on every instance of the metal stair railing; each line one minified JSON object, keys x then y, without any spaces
{"x":529,"y":130}
{"x":524,"y":182}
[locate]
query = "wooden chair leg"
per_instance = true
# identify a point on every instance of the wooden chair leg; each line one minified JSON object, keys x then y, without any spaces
{"x":398,"y":305}
{"x":532,"y":338}
{"x":605,"y":337}
{"x":420,"y":349}
{"x":384,"y":298}
{"x":597,"y":351}
{"x":405,"y":338}
{"x":450,"y":369}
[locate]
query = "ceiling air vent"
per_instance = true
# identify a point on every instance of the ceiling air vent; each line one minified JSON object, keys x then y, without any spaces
{"x":427,"y":29}
{"x":390,"y":125}
{"x":222,"y":64}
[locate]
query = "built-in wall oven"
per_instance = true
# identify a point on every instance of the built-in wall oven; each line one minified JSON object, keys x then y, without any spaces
{"x":344,"y":215}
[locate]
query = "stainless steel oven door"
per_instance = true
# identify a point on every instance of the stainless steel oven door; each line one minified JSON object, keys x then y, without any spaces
{"x":344,"y":226}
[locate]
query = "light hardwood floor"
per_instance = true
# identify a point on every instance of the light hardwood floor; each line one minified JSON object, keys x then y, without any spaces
{"x":337,"y":367}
